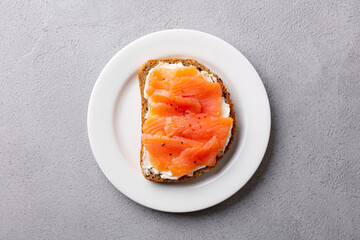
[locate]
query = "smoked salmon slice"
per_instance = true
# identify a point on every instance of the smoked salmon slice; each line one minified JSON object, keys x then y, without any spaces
{"x":163,"y":149}
{"x":163,"y":78}
{"x":193,"y":157}
{"x":200,"y":127}
{"x":177,"y":102}
{"x":208,"y":93}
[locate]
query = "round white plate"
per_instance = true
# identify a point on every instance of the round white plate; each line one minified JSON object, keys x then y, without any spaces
{"x":114,"y":123}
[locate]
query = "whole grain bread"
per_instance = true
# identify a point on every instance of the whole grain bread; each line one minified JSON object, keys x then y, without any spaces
{"x":142,"y":74}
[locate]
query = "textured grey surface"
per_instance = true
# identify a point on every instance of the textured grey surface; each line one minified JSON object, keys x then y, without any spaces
{"x":306,"y":52}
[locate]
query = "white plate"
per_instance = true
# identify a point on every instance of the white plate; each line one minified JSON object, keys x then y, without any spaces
{"x":114,"y":123}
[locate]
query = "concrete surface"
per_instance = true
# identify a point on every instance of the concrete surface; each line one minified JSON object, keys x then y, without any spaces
{"x":306,"y":52}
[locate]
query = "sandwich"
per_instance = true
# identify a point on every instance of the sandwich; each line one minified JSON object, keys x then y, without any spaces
{"x":188,"y":119}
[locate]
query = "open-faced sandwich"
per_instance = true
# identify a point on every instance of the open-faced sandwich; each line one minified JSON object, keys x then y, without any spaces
{"x":188,"y":120}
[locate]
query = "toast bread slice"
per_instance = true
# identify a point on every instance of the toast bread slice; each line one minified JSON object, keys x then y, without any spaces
{"x":142,"y":74}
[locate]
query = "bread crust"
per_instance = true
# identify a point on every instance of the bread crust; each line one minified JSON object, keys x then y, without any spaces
{"x":142,"y":73}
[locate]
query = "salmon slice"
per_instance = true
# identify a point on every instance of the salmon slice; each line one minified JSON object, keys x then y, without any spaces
{"x":165,"y":110}
{"x":154,"y":125}
{"x":162,"y":149}
{"x":186,"y":71}
{"x":208,"y":93}
{"x":200,"y":127}
{"x":162,"y":78}
{"x":159,"y":78}
{"x":193,"y":157}
{"x":185,"y":104}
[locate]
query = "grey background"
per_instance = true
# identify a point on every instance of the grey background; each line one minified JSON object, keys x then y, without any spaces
{"x":308,"y":56}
